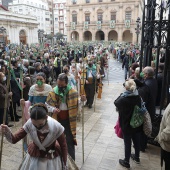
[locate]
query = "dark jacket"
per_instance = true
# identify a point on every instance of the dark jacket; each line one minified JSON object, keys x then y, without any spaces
{"x":125,"y":106}
{"x":3,"y":92}
{"x":143,"y":90}
{"x":152,"y":84}
{"x":127,"y":62}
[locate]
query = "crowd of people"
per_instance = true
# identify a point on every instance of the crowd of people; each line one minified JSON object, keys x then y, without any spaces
{"x":51,"y":84}
{"x":56,"y":82}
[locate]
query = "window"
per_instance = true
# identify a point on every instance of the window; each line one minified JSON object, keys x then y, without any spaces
{"x":87,"y":1}
{"x":56,"y":19}
{"x":113,"y":16}
{"x":47,"y":19}
{"x":128,"y":15}
{"x":100,"y":17}
{"x":74,"y":18}
{"x":100,"y":0}
{"x":74,"y":1}
{"x":87,"y":18}
{"x":20,"y":10}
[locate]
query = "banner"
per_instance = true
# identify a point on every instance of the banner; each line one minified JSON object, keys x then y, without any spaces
{"x":86,"y":25}
{"x":99,"y":25}
{"x":73,"y":25}
{"x":127,"y":23}
{"x":112,"y":24}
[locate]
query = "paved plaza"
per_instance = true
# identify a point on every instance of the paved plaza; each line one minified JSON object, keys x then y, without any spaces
{"x":103,"y":148}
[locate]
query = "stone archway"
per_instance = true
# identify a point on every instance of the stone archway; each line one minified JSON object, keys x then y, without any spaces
{"x":113,"y":36}
{"x":87,"y":36}
{"x":127,"y":36}
{"x":74,"y":36}
{"x":100,"y":35}
{"x":22,"y":37}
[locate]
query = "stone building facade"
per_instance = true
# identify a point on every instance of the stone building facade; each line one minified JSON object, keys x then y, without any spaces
{"x":16,"y":28}
{"x":109,"y":20}
{"x":60,"y":18}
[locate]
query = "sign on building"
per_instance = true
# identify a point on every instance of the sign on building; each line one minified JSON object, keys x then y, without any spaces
{"x":99,"y":25}
{"x":127,"y":23}
{"x":112,"y":24}
{"x":73,"y":25}
{"x":86,"y":25}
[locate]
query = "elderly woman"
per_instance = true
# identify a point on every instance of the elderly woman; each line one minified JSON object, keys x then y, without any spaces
{"x":164,"y":138}
{"x":125,"y":104}
{"x":3,"y":93}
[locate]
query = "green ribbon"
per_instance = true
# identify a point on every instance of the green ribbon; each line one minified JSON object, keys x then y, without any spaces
{"x":61,"y":94}
{"x":13,"y":75}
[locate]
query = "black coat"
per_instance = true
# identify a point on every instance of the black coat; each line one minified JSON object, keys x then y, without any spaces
{"x":125,"y":106}
{"x":152,"y":84}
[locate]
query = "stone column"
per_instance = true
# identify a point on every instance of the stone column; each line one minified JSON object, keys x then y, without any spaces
{"x":120,"y":35}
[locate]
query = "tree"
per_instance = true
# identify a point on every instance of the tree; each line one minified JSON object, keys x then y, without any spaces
{"x":59,"y":36}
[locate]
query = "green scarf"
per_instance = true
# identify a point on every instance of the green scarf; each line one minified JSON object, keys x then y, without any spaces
{"x":61,"y":94}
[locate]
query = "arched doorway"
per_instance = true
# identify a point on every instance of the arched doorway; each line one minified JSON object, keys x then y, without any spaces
{"x":113,"y":36}
{"x":127,"y":36}
{"x":3,"y":35}
{"x":74,"y":36}
{"x":87,"y":36}
{"x":22,"y":37}
{"x":100,"y":35}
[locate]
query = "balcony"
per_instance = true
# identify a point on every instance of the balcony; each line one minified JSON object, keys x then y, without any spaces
{"x":107,"y":24}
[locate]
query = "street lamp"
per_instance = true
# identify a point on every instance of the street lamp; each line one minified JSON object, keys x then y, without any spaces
{"x":40,"y":35}
{"x":2,"y":30}
{"x":138,"y":28}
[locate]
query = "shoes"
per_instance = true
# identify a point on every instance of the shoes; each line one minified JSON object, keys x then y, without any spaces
{"x":136,"y":160}
{"x":16,"y":119}
{"x":86,"y":104}
{"x":18,"y":116}
{"x":124,"y":163}
{"x":10,"y":125}
{"x":90,"y":106}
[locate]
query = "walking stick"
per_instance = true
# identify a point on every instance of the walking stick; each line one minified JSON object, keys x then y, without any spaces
{"x":83,"y":93}
{"x":108,"y":72}
{"x":95,"y":89}
{"x":5,"y":108}
{"x":22,"y":109}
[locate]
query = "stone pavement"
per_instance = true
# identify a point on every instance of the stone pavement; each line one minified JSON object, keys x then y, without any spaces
{"x":102,"y":147}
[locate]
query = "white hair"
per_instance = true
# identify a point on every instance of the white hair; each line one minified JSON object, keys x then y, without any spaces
{"x":130,"y":85}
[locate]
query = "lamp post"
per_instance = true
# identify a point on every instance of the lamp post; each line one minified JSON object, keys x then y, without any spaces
{"x":138,"y":28}
{"x":40,"y":35}
{"x":2,"y":30}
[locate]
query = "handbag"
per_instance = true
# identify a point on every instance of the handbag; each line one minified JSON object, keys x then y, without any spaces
{"x":147,"y":125}
{"x":138,"y":115}
{"x":118,"y":129}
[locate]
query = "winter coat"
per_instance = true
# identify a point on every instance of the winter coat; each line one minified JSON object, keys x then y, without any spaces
{"x":164,"y":132}
{"x":152,"y":84}
{"x":125,"y":106}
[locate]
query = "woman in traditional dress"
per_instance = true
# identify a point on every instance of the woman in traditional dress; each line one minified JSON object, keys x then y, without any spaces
{"x":37,"y":93}
{"x":48,"y":151}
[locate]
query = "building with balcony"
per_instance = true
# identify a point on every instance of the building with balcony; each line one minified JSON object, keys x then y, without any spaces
{"x":109,"y":20}
{"x":16,"y":28}
{"x":38,"y":9}
{"x":60,"y":18}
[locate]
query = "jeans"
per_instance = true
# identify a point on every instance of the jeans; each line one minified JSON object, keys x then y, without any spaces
{"x":126,"y":72}
{"x":128,"y":138}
